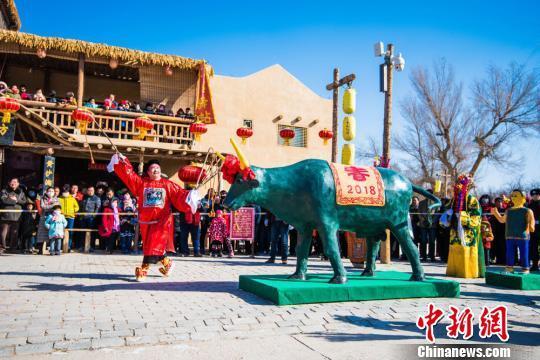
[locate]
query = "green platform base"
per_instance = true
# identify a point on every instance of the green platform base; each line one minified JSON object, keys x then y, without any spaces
{"x":515,"y":280}
{"x":316,"y":289}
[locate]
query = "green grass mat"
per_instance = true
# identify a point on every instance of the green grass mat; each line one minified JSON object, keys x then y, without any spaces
{"x":517,"y":280}
{"x":316,"y":289}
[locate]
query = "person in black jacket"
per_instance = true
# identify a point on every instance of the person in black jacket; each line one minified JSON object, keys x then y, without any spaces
{"x":12,"y":199}
{"x":28,"y":228}
{"x":534,"y":205}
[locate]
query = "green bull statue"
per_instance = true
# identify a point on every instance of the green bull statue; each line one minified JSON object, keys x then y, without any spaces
{"x":304,"y":195}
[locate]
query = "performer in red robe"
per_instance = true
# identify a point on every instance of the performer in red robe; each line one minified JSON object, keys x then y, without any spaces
{"x":155,"y":196}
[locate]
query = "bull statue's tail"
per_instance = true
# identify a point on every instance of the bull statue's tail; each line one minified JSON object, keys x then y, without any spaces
{"x":436,"y":201}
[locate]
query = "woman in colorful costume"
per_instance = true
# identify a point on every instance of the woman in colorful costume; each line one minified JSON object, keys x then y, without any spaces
{"x":466,"y":255}
{"x":155,"y":196}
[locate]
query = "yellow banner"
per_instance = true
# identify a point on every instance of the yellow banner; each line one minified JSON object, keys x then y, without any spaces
{"x":204,"y":108}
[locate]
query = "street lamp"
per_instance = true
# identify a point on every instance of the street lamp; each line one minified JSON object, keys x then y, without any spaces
{"x":385,"y":72}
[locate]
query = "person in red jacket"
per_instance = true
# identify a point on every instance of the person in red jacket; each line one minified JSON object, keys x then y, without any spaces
{"x":155,"y":196}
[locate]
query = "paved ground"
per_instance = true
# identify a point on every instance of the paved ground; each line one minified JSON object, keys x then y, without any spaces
{"x":79,"y":305}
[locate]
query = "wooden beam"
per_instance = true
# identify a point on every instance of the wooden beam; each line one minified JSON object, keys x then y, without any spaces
{"x":344,"y":80}
{"x":42,"y":129}
{"x":80,"y":85}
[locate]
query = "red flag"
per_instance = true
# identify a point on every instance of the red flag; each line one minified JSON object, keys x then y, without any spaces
{"x":204,"y":109}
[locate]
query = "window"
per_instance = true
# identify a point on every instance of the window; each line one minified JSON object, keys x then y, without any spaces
{"x":248,"y":123}
{"x":300,"y":136}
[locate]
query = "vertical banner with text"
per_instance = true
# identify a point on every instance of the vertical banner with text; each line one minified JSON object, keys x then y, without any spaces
{"x":48,"y":172}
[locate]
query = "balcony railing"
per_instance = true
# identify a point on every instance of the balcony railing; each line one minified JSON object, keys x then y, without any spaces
{"x":116,"y":124}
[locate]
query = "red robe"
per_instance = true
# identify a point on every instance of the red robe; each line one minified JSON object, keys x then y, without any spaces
{"x":154,"y":198}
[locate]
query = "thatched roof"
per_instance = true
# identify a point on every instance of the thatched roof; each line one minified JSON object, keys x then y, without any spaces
{"x":93,"y":50}
{"x":12,"y":14}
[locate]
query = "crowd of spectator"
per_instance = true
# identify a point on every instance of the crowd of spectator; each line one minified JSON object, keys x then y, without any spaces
{"x":432,"y":238}
{"x":109,"y":103}
{"x":112,"y":215}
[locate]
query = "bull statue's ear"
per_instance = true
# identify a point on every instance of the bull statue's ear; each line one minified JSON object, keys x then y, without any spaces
{"x":253,"y":184}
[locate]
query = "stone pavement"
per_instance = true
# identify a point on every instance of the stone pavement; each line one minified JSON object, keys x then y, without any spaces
{"x":80,"y":305}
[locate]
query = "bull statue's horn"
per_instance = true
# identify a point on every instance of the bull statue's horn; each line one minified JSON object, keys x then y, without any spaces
{"x":244,"y":163}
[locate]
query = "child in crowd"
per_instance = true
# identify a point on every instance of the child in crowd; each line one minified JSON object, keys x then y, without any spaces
{"x":218,"y":234}
{"x":56,"y":224}
{"x":487,"y":237}
{"x":109,"y":229}
{"x":28,"y":228}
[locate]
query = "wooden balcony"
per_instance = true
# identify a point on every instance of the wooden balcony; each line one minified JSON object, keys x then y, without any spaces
{"x":169,"y":132}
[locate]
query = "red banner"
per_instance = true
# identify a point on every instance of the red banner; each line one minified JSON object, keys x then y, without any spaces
{"x":243,"y":224}
{"x":204,"y":108}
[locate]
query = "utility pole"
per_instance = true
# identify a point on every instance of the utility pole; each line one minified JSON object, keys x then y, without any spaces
{"x":385,"y":160}
{"x":386,"y":76}
{"x":334,"y":86}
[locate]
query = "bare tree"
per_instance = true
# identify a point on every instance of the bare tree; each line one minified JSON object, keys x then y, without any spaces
{"x":441,"y":131}
{"x":506,"y":106}
{"x":437,"y":125}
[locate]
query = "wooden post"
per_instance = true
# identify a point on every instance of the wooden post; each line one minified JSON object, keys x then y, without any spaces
{"x":335,"y":102}
{"x":65,"y":241}
{"x":87,"y":241}
{"x":385,"y":248}
{"x":80,"y":86}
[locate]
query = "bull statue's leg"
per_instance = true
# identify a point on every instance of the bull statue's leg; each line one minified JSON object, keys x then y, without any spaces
{"x":403,"y":235}
{"x":303,"y":247}
{"x":331,"y":250}
{"x":373,"y":245}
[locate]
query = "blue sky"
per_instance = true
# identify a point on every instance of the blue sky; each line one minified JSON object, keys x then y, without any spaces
{"x":309,"y":38}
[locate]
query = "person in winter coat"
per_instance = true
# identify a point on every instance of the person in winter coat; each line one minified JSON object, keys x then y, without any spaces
{"x":28,"y":228}
{"x":91,"y":204}
{"x":46,"y":204}
{"x":127,"y":224}
{"x":219,"y":234}
{"x":56,"y":224}
{"x":12,"y":198}
{"x":70,"y":206}
{"x":109,"y":230}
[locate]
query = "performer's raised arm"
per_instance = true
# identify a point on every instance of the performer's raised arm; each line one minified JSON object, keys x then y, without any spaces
{"x":183,"y":200}
{"x":123,"y":168}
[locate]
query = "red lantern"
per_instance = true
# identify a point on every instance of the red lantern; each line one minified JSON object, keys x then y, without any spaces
{"x":326,"y":135}
{"x":190,"y":174}
{"x":198,"y":128}
{"x":82,"y":117}
{"x":287,"y":134}
{"x":8,"y":106}
{"x":244,"y":133}
{"x":144,"y":125}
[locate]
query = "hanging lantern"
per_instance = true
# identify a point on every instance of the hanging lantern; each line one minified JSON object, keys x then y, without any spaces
{"x":168,"y":70}
{"x":82,"y":117}
{"x":326,"y":135}
{"x":144,"y":125}
{"x":349,"y":128}
{"x":41,"y":53}
{"x":244,"y":133}
{"x":437,"y":187}
{"x":347,"y":154}
{"x":287,"y":134}
{"x":8,"y":106}
{"x":190,"y":174}
{"x":197,"y":128}
{"x":349,"y":101}
{"x":113,"y":63}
